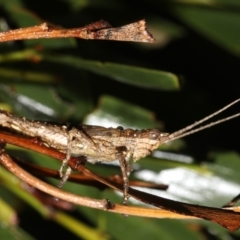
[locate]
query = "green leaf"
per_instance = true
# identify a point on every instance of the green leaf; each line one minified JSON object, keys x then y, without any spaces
{"x":209,"y":184}
{"x":219,"y":26}
{"x":13,"y":233}
{"x":136,"y":76}
{"x":29,"y":97}
{"x":8,"y":214}
{"x":13,"y":74}
{"x":226,"y":165}
{"x":77,"y":5}
{"x":27,"y":100}
{"x":113,"y":112}
{"x":164,"y":31}
{"x":6,"y":4}
{"x":211,"y":3}
{"x":157,"y":229}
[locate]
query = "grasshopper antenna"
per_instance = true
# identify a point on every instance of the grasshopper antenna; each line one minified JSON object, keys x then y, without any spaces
{"x":188,"y":130}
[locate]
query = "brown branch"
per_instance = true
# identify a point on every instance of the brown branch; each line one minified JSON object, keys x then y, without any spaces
{"x":86,"y":180}
{"x":46,"y":199}
{"x":232,"y":202}
{"x":101,"y":30}
{"x":227,"y":218}
{"x":56,"y":192}
{"x":83,"y":201}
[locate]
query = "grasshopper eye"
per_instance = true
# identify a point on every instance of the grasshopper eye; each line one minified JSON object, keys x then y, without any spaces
{"x":154,"y":134}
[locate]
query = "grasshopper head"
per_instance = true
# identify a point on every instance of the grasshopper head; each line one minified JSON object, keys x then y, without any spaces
{"x":147,"y":141}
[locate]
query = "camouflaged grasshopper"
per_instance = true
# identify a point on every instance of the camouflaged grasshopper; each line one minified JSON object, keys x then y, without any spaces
{"x":100,"y":144}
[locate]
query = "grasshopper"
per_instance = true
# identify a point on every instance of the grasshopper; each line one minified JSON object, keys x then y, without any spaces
{"x":100,"y":144}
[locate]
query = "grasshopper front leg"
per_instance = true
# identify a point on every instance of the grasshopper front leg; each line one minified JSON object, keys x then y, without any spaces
{"x":78,"y":144}
{"x":68,"y":171}
{"x":74,"y":138}
{"x":123,"y":156}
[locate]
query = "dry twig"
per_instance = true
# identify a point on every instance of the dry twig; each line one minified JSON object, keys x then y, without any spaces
{"x":101,"y":30}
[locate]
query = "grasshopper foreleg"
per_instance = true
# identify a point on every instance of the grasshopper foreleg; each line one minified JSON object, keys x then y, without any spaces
{"x":123,"y":158}
{"x":64,"y":176}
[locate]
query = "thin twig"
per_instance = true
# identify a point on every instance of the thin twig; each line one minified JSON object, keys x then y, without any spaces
{"x":101,"y":30}
{"x":86,"y":180}
{"x":43,"y":186}
{"x":83,"y":201}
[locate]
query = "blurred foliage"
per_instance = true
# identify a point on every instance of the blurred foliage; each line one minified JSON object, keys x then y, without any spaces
{"x":191,"y":71}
